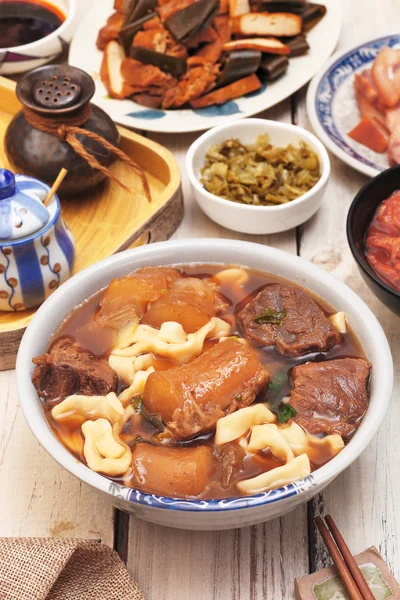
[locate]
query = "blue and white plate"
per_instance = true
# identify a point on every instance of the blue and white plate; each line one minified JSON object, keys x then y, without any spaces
{"x":86,"y":56}
{"x":332,"y":106}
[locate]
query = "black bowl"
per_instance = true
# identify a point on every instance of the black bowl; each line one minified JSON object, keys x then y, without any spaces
{"x":360,"y":216}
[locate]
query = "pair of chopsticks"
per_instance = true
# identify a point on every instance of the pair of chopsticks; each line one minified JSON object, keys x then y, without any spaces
{"x":349,"y":571}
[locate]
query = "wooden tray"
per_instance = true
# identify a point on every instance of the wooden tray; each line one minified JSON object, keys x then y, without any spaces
{"x":108,"y":220}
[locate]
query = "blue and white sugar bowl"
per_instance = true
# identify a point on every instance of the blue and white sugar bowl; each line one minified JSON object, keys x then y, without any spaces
{"x":37,"y":250}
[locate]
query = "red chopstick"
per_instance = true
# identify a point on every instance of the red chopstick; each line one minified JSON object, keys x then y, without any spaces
{"x":345,"y":575}
{"x":349,"y":560}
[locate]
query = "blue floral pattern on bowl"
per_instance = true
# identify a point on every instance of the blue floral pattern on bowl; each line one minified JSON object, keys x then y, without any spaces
{"x":142,"y":498}
{"x":335,"y":104}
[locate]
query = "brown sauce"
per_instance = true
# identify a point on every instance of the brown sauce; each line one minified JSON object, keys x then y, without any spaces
{"x":26,"y":21}
{"x":79,"y":324}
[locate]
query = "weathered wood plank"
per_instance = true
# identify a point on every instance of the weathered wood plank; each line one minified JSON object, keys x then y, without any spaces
{"x":364,"y":499}
{"x":255,"y":563}
{"x":38,"y":497}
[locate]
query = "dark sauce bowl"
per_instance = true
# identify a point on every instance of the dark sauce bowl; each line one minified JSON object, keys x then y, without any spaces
{"x":360,"y":215}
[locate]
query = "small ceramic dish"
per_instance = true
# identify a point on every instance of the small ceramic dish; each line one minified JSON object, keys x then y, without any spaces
{"x":29,"y":56}
{"x":37,"y":250}
{"x":332,"y":106}
{"x":256,"y":219}
{"x":227,"y":513}
{"x":360,"y":216}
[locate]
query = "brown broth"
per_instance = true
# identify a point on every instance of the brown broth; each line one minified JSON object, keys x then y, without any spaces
{"x":79,"y":324}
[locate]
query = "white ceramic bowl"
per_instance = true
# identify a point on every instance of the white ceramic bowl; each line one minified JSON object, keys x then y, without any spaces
{"x":29,"y":56}
{"x":256,"y":219}
{"x":211,"y":514}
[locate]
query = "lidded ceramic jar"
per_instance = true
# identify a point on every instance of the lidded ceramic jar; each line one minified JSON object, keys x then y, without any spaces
{"x":37,"y":250}
{"x":51,"y":96}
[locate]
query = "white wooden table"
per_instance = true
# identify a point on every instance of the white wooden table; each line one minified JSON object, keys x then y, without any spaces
{"x":38,"y":498}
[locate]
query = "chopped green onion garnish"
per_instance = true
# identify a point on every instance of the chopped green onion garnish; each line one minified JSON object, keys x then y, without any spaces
{"x":286,"y":412}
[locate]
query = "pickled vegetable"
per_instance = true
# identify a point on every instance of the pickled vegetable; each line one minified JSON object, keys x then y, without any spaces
{"x":260,"y":174}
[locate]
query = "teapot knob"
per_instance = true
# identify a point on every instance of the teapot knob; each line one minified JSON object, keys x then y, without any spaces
{"x":7,"y":184}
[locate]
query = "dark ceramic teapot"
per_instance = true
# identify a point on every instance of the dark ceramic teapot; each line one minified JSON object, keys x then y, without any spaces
{"x":56,"y":98}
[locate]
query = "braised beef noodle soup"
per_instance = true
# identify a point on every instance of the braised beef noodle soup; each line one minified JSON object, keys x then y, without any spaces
{"x":204,"y":381}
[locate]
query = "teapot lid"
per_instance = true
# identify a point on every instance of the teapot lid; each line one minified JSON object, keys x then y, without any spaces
{"x":22,"y":212}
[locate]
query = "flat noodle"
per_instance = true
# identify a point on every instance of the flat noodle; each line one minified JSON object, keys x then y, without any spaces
{"x":296,"y":469}
{"x":103,"y":453}
{"x":237,"y":424}
{"x":169,"y":341}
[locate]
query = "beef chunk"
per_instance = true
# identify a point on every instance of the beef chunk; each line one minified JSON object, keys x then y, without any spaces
{"x":330,"y":396}
{"x":230,"y":458}
{"x":69,"y":369}
{"x":286,"y":317}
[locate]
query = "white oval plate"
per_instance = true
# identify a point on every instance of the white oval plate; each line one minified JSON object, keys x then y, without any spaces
{"x":332,"y":106}
{"x":85,"y":55}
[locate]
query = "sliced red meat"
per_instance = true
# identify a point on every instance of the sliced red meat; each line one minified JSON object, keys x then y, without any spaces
{"x":286,"y":317}
{"x":331,"y":396}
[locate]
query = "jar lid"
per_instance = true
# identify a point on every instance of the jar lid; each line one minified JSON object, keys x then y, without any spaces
{"x":55,"y":90}
{"x":22,"y":212}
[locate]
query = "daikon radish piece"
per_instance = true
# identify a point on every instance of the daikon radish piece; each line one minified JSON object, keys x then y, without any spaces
{"x":182,"y":472}
{"x":191,"y":398}
{"x":189,"y":301}
{"x":126,"y":298}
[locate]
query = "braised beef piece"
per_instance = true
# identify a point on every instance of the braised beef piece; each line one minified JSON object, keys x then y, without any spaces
{"x":69,"y":369}
{"x":286,"y":317}
{"x":330,"y":396}
{"x":230,"y":458}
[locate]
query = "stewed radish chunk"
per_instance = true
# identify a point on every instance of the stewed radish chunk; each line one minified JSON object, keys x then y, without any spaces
{"x":191,"y":398}
{"x":181,"y":472}
{"x":189,"y":301}
{"x":126,"y":299}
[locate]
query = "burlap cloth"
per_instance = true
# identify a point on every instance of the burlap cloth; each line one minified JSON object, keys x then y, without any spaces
{"x":62,"y":569}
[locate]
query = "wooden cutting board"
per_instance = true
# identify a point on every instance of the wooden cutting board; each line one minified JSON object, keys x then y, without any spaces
{"x":108,"y":219}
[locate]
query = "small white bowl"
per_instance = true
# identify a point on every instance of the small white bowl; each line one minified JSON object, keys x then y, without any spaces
{"x":207,"y":514}
{"x":20,"y":59}
{"x":256,"y":219}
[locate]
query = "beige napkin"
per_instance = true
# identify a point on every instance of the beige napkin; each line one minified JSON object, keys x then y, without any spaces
{"x":62,"y":569}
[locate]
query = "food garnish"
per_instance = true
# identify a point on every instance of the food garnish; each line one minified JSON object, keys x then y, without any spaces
{"x":270,"y":316}
{"x":286,"y":412}
{"x":260,"y":174}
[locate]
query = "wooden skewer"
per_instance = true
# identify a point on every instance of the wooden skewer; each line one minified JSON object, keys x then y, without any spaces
{"x":337,"y":558}
{"x":55,"y":186}
{"x":349,"y":560}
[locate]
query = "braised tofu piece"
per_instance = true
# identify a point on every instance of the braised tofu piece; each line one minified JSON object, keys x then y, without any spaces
{"x":189,"y":301}
{"x":286,"y":317}
{"x":178,"y":472}
{"x":127,"y":298}
{"x":196,"y":81}
{"x":191,"y":398}
{"x":331,"y":396}
{"x":70,"y":369}
{"x":141,"y":77}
